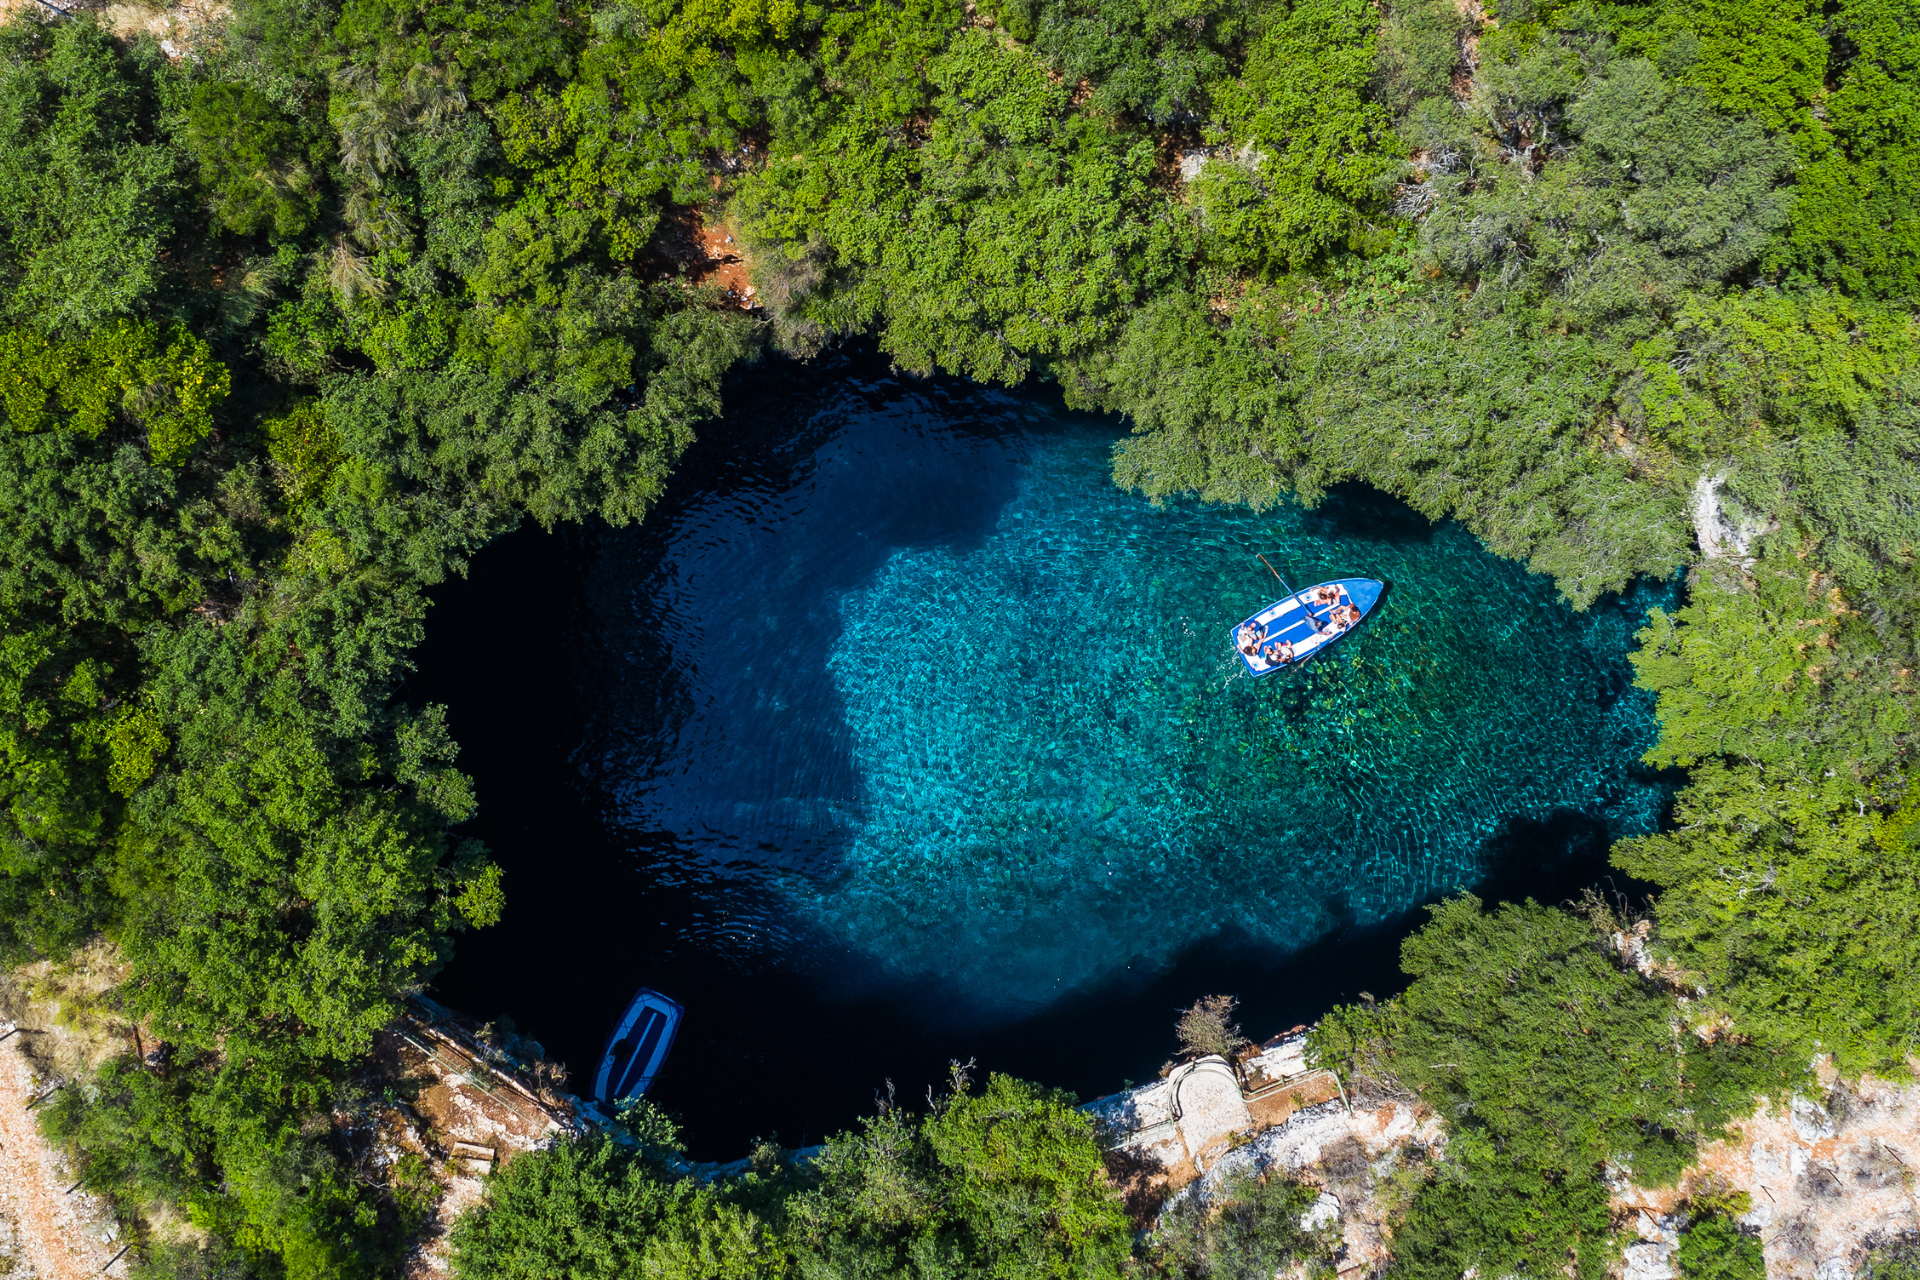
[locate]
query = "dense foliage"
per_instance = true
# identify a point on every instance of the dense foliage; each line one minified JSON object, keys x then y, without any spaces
{"x":1003,"y":1183}
{"x":238,"y":449}
{"x":292,"y":327}
{"x":1250,"y":1229}
{"x":1553,"y":1063}
{"x":1715,"y":1249}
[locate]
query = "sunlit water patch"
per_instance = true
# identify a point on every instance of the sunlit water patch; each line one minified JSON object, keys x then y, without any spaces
{"x":914,"y":669}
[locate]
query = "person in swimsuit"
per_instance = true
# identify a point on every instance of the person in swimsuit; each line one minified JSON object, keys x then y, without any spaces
{"x":1249,"y":639}
{"x":1285,"y":648}
{"x":1353,"y":615}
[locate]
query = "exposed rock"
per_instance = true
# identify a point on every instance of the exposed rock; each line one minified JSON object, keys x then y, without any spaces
{"x":178,"y":26}
{"x":1830,"y":1175}
{"x":1651,"y":1257}
{"x":1247,"y":156}
{"x":1207,"y":1107}
{"x":1649,"y":1261}
{"x":1290,"y":1147}
{"x":1723,"y":536}
{"x":1662,"y":1230}
{"x":58,"y":1021}
{"x":1174,"y":1125}
{"x":1810,"y":1120}
{"x":1633,"y":949}
{"x":1830,"y":1178}
{"x":471,"y":1115}
{"x":50,"y":1229}
{"x":1187,"y":1136}
{"x":1324,"y":1213}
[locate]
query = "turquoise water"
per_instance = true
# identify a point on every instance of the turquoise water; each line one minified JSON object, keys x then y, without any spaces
{"x":909,"y":680}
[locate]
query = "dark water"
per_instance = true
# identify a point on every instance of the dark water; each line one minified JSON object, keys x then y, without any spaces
{"x":898,"y":734}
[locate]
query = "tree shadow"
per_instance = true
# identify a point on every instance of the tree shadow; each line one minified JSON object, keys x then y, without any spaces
{"x":1356,"y":510}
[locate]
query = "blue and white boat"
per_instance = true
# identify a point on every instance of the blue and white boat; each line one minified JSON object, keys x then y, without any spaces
{"x":1295,"y":627}
{"x":637,"y":1047}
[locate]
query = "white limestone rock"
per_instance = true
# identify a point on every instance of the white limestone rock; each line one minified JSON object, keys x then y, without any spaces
{"x":1324,"y":1213}
{"x":1649,"y":1260}
{"x":1811,"y":1120}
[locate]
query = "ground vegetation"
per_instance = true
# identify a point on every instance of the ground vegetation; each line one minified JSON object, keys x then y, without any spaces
{"x":1006,"y":1181}
{"x":292,"y":327}
{"x":1558,"y":1066}
{"x":1251,"y":1228}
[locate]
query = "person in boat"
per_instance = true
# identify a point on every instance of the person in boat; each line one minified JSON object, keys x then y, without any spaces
{"x":1353,"y":615}
{"x":1283,"y":652}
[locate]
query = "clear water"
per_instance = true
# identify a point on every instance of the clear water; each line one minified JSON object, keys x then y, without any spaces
{"x":904,"y":678}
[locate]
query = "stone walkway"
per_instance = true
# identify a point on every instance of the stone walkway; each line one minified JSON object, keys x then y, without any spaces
{"x":1184,"y":1123}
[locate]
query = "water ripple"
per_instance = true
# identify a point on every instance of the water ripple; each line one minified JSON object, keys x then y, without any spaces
{"x":922,"y":675}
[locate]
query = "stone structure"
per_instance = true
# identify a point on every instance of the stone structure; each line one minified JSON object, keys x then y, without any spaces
{"x":1183,"y":1124}
{"x":1212,"y":1122}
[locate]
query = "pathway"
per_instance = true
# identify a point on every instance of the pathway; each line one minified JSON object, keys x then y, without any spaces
{"x":48,"y":1232}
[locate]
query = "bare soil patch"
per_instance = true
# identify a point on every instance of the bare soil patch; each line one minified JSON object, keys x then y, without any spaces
{"x":177,"y":27}
{"x":702,"y":252}
{"x":460,"y":1112}
{"x":49,"y":1230}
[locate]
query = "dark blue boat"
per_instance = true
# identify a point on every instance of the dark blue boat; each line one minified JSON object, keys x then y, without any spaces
{"x":1294,"y":628}
{"x":637,"y":1047}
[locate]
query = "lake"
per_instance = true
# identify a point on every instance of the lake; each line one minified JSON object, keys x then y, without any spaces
{"x":897,"y":734}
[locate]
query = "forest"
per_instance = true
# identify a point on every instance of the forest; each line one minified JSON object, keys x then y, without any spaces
{"x":296,"y":320}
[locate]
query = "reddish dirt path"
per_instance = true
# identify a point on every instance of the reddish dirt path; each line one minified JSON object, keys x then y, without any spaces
{"x":58,"y":1235}
{"x":688,"y":247}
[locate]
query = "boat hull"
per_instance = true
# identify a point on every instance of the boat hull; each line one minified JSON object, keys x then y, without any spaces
{"x":637,"y":1047}
{"x":1305,"y":623}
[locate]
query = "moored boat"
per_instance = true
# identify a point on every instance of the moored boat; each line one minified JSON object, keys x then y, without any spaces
{"x":1296,"y":627}
{"x":637,"y":1047}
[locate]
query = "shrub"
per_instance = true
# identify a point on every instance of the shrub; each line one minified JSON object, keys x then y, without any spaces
{"x":1208,"y":1027}
{"x":1716,"y":1249}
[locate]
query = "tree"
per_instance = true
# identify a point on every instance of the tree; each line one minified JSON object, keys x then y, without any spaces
{"x":1715,"y":1249}
{"x":1208,"y":1027}
{"x":251,"y":160}
{"x":1551,"y":1062}
{"x":91,"y":191}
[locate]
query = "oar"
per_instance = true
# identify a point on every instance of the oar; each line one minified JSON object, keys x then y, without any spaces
{"x":1306,"y":605}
